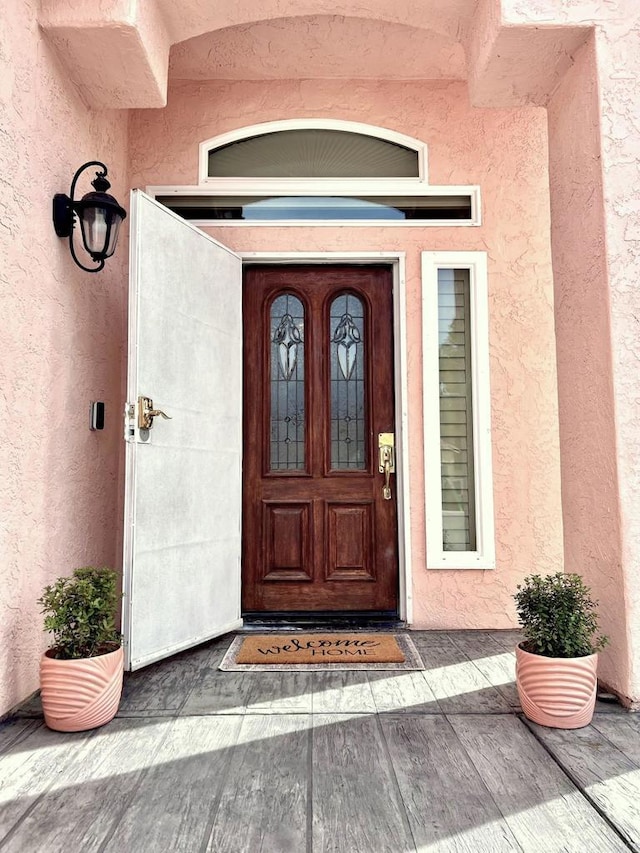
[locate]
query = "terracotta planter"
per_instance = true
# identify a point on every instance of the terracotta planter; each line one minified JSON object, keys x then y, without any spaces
{"x":557,"y":692}
{"x":81,"y":694}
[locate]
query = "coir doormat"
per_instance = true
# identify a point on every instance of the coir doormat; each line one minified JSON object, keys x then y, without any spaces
{"x":321,"y":651}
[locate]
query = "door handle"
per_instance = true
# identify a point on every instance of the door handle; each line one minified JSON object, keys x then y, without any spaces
{"x":386,"y":460}
{"x":146,"y":413}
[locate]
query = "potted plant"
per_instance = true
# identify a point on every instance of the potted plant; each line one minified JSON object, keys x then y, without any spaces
{"x":556,"y":663}
{"x":81,"y":675}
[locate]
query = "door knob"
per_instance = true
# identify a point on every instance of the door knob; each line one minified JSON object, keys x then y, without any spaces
{"x":146,"y":413}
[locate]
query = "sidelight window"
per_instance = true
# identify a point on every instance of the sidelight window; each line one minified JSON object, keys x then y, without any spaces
{"x":459,"y":502}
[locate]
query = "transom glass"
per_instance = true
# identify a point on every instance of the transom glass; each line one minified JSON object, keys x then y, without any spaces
{"x":313,"y":153}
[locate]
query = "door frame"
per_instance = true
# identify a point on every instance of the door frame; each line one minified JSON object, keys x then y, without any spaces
{"x":397,"y":263}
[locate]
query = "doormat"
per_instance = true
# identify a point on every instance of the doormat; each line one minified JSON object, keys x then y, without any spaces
{"x":321,"y":651}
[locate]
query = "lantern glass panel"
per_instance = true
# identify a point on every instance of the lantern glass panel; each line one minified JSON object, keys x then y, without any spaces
{"x":113,"y":235}
{"x":95,"y":229}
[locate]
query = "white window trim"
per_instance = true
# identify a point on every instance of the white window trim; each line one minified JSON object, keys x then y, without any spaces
{"x":484,"y":555}
{"x":362,"y":187}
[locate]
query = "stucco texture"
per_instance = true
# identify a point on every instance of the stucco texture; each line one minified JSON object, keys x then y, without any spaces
{"x":592,"y":528}
{"x":63,"y":330}
{"x":61,"y":344}
{"x":617,"y":50}
{"x":505,"y":152}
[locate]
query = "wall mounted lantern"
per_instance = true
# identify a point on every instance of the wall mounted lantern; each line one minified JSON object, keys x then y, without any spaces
{"x":99,"y":214}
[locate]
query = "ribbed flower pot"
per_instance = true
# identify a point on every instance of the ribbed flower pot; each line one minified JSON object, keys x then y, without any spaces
{"x":557,"y":692}
{"x":81,"y":694}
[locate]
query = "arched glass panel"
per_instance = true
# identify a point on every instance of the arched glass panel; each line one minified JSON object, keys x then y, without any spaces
{"x":347,"y":348}
{"x":287,"y":383}
{"x":313,"y":153}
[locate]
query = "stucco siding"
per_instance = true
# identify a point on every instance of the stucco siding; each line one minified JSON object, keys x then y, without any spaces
{"x":505,"y":152}
{"x":61,"y":347}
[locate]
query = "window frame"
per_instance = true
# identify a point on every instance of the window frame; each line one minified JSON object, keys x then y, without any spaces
{"x":324,"y":187}
{"x":357,"y":187}
{"x":483,"y":557}
{"x":270,"y":127}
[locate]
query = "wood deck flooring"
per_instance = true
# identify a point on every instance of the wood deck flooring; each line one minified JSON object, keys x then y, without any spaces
{"x":203,"y":761}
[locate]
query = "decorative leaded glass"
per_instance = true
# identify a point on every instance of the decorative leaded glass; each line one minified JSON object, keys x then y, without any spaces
{"x":288,"y":338}
{"x":346,"y":337}
{"x":348,"y":448}
{"x":287,"y":384}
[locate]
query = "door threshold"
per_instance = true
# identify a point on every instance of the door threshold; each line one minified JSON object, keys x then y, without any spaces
{"x":351,"y":620}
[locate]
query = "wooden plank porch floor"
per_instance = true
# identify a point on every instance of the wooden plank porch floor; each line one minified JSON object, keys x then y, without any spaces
{"x":348,"y":762}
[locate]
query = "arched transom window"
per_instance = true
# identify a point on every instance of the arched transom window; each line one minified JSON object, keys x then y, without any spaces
{"x":313,"y":153}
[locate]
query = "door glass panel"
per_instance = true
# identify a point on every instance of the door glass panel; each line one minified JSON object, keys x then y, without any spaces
{"x":287,"y":384}
{"x":347,"y":378}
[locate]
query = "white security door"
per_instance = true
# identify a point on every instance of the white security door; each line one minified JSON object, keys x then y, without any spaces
{"x":183,"y":489}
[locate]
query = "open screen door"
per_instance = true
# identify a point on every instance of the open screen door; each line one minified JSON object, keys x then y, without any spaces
{"x":183,"y":487}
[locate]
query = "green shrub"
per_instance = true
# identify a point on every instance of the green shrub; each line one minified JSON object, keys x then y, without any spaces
{"x":557,"y":616}
{"x":79,"y":611}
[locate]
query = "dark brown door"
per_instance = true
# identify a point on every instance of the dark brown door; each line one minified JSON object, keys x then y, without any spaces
{"x":318,"y":533}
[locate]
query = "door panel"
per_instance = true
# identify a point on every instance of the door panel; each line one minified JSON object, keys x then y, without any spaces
{"x":318,"y":388}
{"x":286,"y":529}
{"x":350,"y":545}
{"x":183,"y":476}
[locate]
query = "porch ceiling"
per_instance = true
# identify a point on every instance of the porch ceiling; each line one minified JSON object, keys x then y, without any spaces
{"x":118,"y":56}
{"x":319,"y":46}
{"x":195,"y":17}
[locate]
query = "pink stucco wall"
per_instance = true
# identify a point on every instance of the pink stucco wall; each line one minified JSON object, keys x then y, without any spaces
{"x":60,"y":343}
{"x":63,"y":330}
{"x":505,"y":152}
{"x":617,"y":50}
{"x":592,"y":529}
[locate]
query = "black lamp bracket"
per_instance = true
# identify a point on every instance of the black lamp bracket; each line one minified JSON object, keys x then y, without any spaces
{"x":64,"y":208}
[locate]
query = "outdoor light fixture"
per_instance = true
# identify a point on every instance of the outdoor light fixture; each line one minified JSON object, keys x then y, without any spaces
{"x":99,"y":213}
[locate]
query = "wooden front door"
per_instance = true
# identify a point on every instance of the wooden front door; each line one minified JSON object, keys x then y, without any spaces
{"x":318,"y":533}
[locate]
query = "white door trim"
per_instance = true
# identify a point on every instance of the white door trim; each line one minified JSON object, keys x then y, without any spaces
{"x":397,"y":262}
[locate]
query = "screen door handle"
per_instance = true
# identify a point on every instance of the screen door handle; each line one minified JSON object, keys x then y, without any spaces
{"x":146,"y":413}
{"x":386,"y":460}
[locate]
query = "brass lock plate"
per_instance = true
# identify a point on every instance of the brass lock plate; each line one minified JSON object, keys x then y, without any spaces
{"x":386,"y":452}
{"x":146,"y":413}
{"x":145,"y":407}
{"x":386,"y":460}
